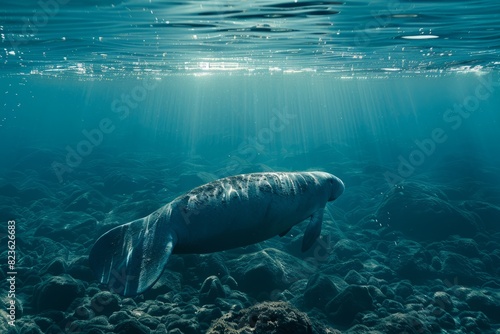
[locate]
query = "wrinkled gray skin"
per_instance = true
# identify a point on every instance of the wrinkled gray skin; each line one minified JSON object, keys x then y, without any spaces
{"x":227,"y":213}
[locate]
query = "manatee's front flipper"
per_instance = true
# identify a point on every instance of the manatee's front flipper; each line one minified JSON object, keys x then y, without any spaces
{"x":131,"y":257}
{"x":313,"y":230}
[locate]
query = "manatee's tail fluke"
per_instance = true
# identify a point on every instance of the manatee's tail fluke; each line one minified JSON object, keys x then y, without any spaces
{"x":131,"y":257}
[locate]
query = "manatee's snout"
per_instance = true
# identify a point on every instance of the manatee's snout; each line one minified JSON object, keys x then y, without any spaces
{"x":337,"y":187}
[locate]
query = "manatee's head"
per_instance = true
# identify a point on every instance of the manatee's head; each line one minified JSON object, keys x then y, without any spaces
{"x":335,"y":186}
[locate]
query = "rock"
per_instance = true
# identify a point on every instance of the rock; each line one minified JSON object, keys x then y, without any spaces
{"x":80,"y":269}
{"x":343,"y":267}
{"x":105,"y":303}
{"x":235,"y":301}
{"x":402,"y":323}
{"x":469,"y":324}
{"x":131,"y":326}
{"x":29,"y":328}
{"x":119,"y":317}
{"x":376,"y":281}
{"x":262,"y":272}
{"x":210,"y":290}
{"x":175,"y":331}
{"x":362,"y":329}
{"x":464,"y":246}
{"x":347,"y":249}
{"x":212,"y":264}
{"x":486,"y":302}
{"x":436,"y":263}
{"x":489,"y":213}
{"x":150,"y":322}
{"x":185,"y":326}
{"x":87,"y":202}
{"x":388,"y":291}
{"x":168,"y":281}
{"x":190,"y":308}
{"x":121,"y":183}
{"x":369,"y":319}
{"x":462,"y":270}
{"x":207,"y":314}
{"x":32,"y":194}
{"x":345,"y":306}
{"x":55,"y":316}
{"x":162,"y":329}
{"x":491,"y":285}
{"x":43,"y":323}
{"x":383,"y":273}
{"x":264,"y":318}
{"x":77,"y":326}
{"x":403,"y":289}
{"x":83,"y":313}
{"x":56,"y":267}
{"x":443,"y":300}
{"x":446,"y":321}
{"x":129,"y":211}
{"x":393,"y":306}
{"x":57,"y":293}
{"x":158,"y":309}
{"x":76,"y":225}
{"x":474,"y":321}
{"x":319,"y":291}
{"x":414,"y":264}
{"x":377,"y":294}
{"x":353,"y":277}
{"x":230,"y":282}
{"x":423,"y":211}
{"x":97,"y":324}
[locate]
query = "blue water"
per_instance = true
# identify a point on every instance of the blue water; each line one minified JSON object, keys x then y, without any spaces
{"x":111,"y":109}
{"x":107,"y":38}
{"x":255,"y":118}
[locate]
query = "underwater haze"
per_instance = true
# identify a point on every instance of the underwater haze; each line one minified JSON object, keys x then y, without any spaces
{"x":112,"y":109}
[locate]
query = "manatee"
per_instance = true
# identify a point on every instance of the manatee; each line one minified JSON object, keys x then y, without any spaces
{"x":227,"y":213}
